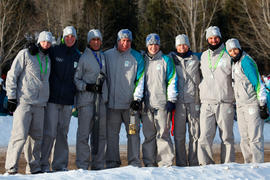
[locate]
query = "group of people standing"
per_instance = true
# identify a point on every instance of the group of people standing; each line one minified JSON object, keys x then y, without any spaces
{"x":123,"y":85}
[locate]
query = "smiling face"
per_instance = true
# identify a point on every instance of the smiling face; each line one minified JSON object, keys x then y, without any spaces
{"x":45,"y":44}
{"x":123,"y":44}
{"x":182,"y":48}
{"x":95,"y":44}
{"x":234,"y":52}
{"x":153,"y":49}
{"x":213,"y":40}
{"x":70,"y":40}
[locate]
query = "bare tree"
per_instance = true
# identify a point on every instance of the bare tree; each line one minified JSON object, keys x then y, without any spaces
{"x":255,"y":35}
{"x":192,"y":17}
{"x":13,"y":27}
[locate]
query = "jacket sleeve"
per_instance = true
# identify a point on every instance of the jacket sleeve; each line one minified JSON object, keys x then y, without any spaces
{"x":13,"y":74}
{"x":171,"y":80}
{"x":250,"y":69}
{"x":139,"y":82}
{"x":80,"y":84}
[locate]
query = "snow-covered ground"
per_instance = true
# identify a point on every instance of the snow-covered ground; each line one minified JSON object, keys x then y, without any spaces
{"x":224,"y":171}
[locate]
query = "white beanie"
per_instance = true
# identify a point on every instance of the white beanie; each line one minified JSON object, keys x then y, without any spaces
{"x":45,"y":36}
{"x":124,"y":33}
{"x":152,"y":38}
{"x":69,"y":30}
{"x":181,"y":39}
{"x":212,"y":31}
{"x":94,"y":33}
{"x":232,"y":43}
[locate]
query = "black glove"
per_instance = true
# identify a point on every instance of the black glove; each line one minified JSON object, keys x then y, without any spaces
{"x":263,"y":112}
{"x":136,"y":105}
{"x":170,"y":106}
{"x":33,"y":49}
{"x":11,"y":105}
{"x":94,"y":88}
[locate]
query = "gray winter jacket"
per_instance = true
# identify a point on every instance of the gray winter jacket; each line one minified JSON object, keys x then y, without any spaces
{"x":160,"y":80}
{"x":125,"y":76}
{"x":187,"y":89}
{"x":25,"y":82}
{"x":87,"y":72}
{"x":248,"y":86}
{"x":216,"y":85}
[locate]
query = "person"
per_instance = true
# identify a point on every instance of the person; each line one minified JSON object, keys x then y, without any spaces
{"x":188,"y":103}
{"x":250,"y":95}
{"x":27,"y":86}
{"x":91,"y":64}
{"x":160,"y":95}
{"x":65,"y":57}
{"x":125,"y":69}
{"x":217,"y":98}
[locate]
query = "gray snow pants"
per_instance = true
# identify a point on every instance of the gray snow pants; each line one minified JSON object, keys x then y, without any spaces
{"x":56,"y":126}
{"x":27,"y":123}
{"x":250,"y":127}
{"x":85,"y":124}
{"x":190,"y":113}
{"x":157,"y":147}
{"x":211,"y":116}
{"x":115,"y":119}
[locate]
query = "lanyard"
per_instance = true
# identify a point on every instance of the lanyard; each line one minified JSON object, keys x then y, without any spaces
{"x":219,"y":57}
{"x":98,"y":60}
{"x":40,"y":64}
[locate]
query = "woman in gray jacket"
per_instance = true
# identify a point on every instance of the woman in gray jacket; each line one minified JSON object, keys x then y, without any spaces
{"x":27,"y":88}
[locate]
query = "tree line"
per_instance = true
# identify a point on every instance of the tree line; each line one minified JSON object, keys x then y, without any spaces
{"x":247,"y":20}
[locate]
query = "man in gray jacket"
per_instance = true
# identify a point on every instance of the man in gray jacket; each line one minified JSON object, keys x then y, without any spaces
{"x":125,"y":69}
{"x":91,"y":65}
{"x":160,"y":95}
{"x":217,"y":99}
{"x":27,"y":86}
{"x":187,"y":66}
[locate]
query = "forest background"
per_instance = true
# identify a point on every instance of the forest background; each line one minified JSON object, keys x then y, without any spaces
{"x":247,"y":20}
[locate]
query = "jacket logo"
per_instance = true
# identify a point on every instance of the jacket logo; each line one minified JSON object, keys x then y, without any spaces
{"x":158,"y":67}
{"x":58,"y":59}
{"x":75,"y":64}
{"x":127,"y":63}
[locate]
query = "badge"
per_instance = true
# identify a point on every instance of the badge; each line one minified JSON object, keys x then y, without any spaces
{"x":229,"y":111}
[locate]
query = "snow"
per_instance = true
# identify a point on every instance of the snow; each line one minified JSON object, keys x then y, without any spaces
{"x":219,"y":171}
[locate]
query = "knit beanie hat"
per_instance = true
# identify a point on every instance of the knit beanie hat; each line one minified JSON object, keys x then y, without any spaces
{"x":232,"y":43}
{"x":124,"y":33}
{"x":212,"y":31}
{"x":152,"y":38}
{"x":93,"y":33}
{"x":181,"y":39}
{"x":69,"y":30}
{"x":45,"y":36}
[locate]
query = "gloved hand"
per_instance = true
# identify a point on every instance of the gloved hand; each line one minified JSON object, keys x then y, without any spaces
{"x":11,"y":105}
{"x":263,"y":112}
{"x":94,"y":88}
{"x":136,"y":105}
{"x":170,"y":106}
{"x":33,"y":48}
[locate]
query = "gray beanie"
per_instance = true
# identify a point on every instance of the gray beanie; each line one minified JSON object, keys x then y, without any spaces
{"x":232,"y":43}
{"x":181,"y":39}
{"x":212,"y":31}
{"x":124,"y":33}
{"x":69,"y":30}
{"x":152,"y":38}
{"x":45,"y":36}
{"x":94,"y":33}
